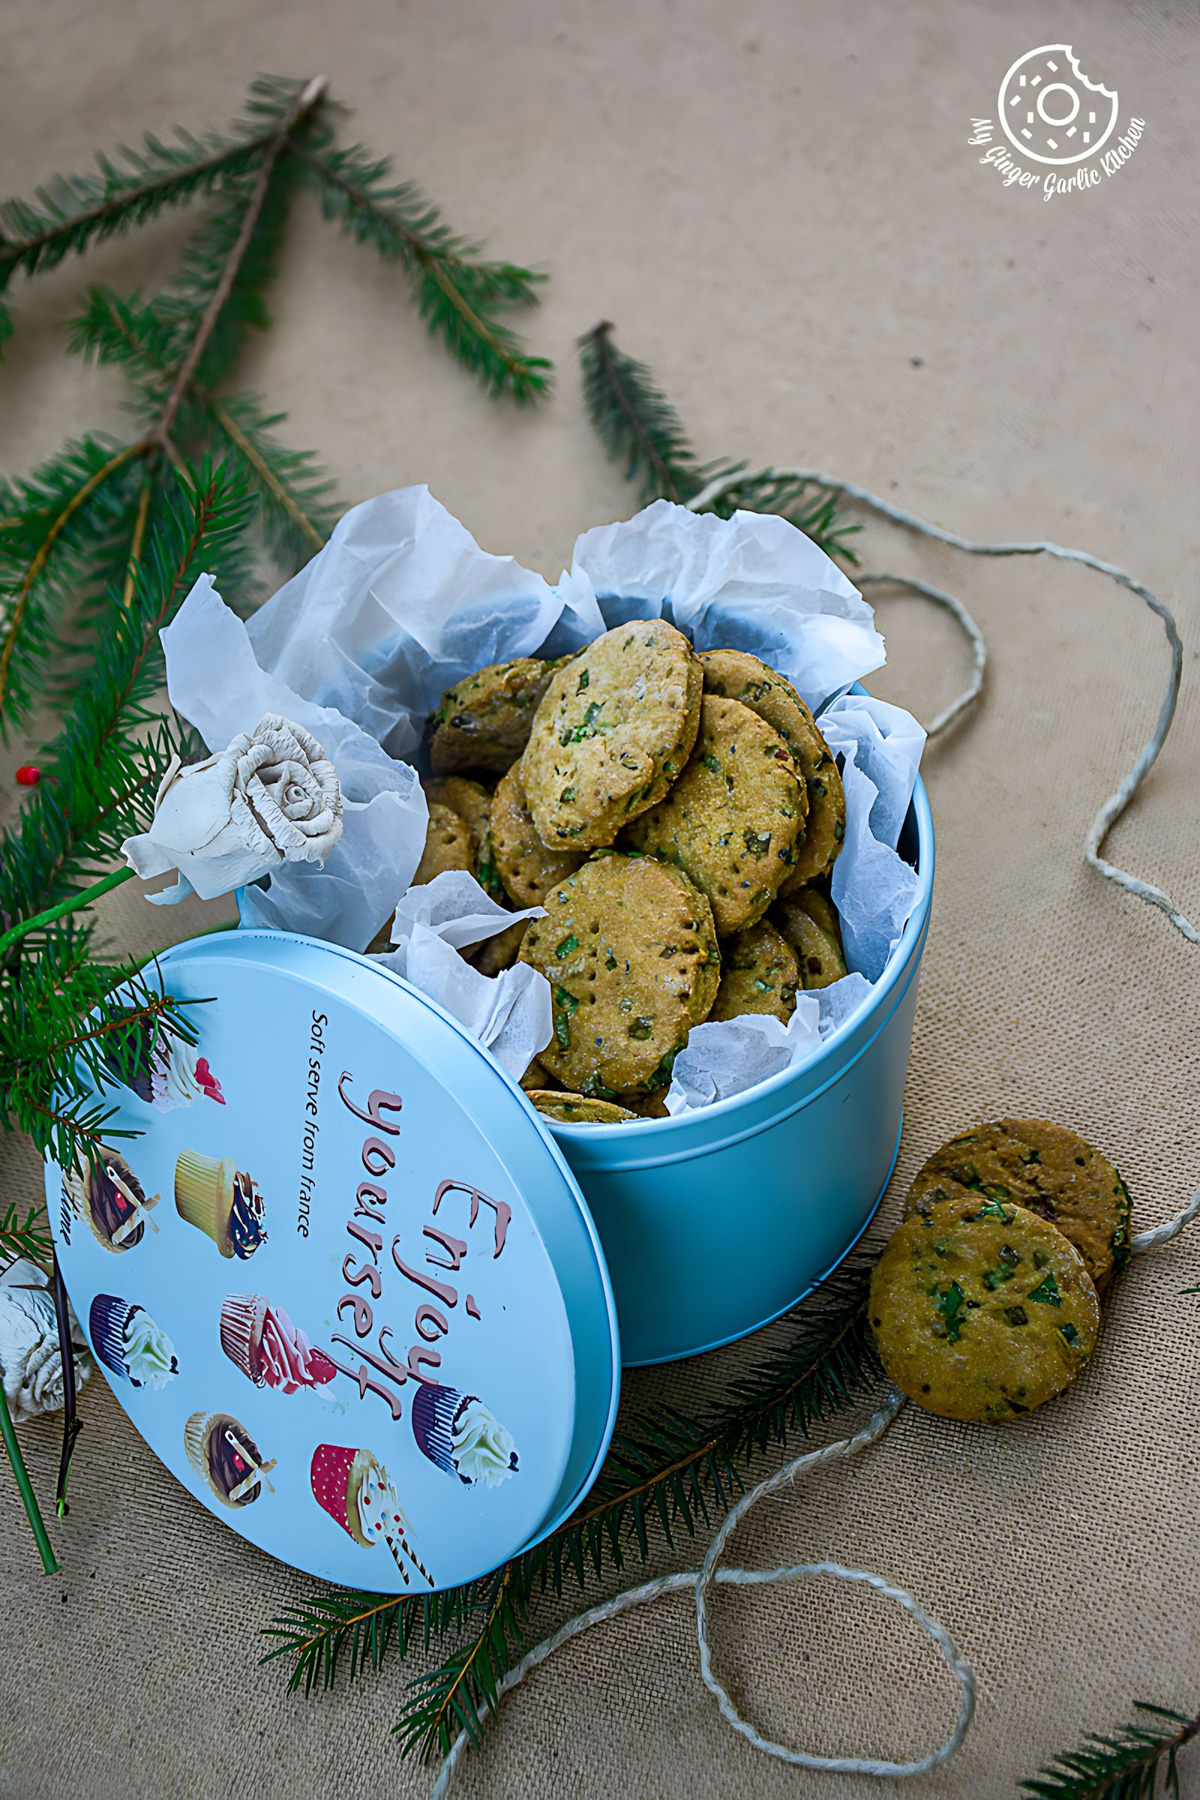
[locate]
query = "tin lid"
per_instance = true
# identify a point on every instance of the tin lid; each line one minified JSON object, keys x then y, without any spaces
{"x":344,"y":1283}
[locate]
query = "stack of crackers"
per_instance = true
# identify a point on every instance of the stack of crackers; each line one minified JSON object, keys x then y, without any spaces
{"x":986,"y":1300}
{"x":677,"y":815}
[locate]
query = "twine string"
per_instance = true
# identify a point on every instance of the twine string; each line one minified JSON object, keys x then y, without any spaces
{"x":701,"y":1581}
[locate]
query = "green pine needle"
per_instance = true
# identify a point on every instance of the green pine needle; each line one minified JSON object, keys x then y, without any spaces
{"x":460,"y":296}
{"x":1122,"y":1765}
{"x":30,"y":1239}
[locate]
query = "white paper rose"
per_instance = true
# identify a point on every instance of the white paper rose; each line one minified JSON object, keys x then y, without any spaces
{"x":267,"y":799}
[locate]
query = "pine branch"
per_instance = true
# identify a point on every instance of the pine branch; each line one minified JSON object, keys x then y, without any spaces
{"x":67,"y":515}
{"x":663,"y":1473}
{"x":74,"y":211}
{"x":295,"y":496}
{"x":31,"y":1239}
{"x":1123,"y":1765}
{"x":639,"y":427}
{"x":635,"y":420}
{"x":459,"y":296}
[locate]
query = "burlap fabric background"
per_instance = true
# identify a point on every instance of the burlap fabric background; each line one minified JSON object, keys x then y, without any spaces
{"x":777,"y":204}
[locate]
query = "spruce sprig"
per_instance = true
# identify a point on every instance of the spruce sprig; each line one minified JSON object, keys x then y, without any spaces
{"x":641,"y":429}
{"x":1125,"y":1764}
{"x":460,"y":295}
{"x":663,"y":1474}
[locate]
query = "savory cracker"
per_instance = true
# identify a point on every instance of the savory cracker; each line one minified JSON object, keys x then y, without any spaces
{"x":448,"y":845}
{"x":982,"y":1311}
{"x":736,"y":675}
{"x":818,"y":952}
{"x":483,"y":721}
{"x":525,"y":866}
{"x":578,"y":1109}
{"x":1050,"y":1170}
{"x":820,"y":908}
{"x":759,"y":974}
{"x":613,"y":731}
{"x":629,"y":949}
{"x":732,"y":820}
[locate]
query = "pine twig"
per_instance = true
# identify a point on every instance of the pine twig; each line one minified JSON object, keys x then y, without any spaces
{"x":1122,"y":1765}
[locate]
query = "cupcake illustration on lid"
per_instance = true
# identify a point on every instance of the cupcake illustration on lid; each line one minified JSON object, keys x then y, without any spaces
{"x":221,"y":1201}
{"x":461,"y":1437}
{"x":223,"y":1454}
{"x":354,"y":1489}
{"x":168,"y":1072}
{"x":128,"y":1342}
{"x":266,"y":1346}
{"x":110,"y":1198}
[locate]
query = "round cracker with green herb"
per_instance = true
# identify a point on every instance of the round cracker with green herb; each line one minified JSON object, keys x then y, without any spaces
{"x":578,"y":1109}
{"x":612,"y":733}
{"x":472,"y":802}
{"x":483,"y":722}
{"x":1047,"y":1168}
{"x":759,"y":974}
{"x":982,"y":1312}
{"x":820,"y":908}
{"x":818,"y":953}
{"x":630,"y":951}
{"x":525,"y":866}
{"x":497,"y":952}
{"x":736,"y":675}
{"x":732,"y":820}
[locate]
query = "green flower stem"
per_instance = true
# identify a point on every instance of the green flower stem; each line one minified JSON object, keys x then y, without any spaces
{"x":50,"y":1562}
{"x":72,"y":903}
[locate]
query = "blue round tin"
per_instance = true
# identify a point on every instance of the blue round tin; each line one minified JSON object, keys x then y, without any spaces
{"x":355,"y":1292}
{"x":343,"y":1282}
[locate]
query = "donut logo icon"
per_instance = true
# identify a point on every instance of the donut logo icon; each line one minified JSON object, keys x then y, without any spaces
{"x":1050,"y":111}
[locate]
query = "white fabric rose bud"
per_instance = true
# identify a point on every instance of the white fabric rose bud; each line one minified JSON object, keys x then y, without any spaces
{"x":267,"y":799}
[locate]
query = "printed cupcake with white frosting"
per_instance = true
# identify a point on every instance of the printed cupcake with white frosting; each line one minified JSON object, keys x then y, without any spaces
{"x":169,"y":1073}
{"x":130,"y":1344}
{"x":462,"y":1437}
{"x":267,"y":1347}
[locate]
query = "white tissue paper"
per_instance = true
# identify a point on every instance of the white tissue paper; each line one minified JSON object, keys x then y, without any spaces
{"x":401,"y":603}
{"x":509,"y":1013}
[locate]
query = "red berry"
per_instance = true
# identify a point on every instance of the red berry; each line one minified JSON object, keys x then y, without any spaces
{"x":28,"y":776}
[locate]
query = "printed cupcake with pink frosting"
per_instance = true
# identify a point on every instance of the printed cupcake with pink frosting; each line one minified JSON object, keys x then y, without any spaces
{"x":268,"y":1348}
{"x":169,"y":1073}
{"x":462,"y":1437}
{"x":355,"y":1490}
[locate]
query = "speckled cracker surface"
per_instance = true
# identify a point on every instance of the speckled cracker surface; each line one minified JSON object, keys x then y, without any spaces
{"x":613,"y":731}
{"x":630,"y":951}
{"x":759,"y":974}
{"x":982,"y":1312}
{"x":736,"y":675}
{"x":527,"y":869}
{"x":732,"y":820}
{"x":1047,"y":1168}
{"x":483,"y":722}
